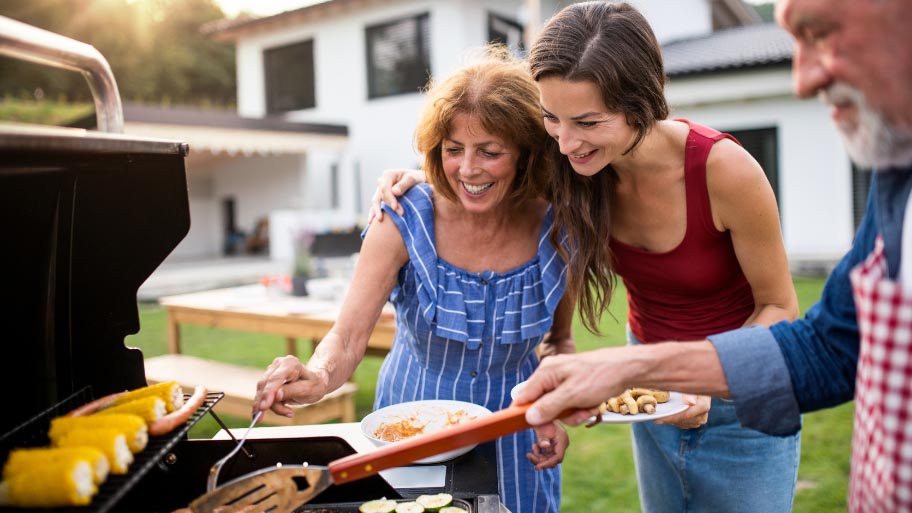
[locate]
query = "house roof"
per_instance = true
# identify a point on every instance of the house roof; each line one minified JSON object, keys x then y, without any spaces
{"x":224,"y":132}
{"x":234,"y":28}
{"x":725,"y":13}
{"x":749,"y":46}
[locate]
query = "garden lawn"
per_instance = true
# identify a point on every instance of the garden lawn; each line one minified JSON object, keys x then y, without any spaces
{"x":598,"y":469}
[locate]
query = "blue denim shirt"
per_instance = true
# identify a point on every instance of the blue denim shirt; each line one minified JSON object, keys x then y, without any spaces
{"x":775,"y":374}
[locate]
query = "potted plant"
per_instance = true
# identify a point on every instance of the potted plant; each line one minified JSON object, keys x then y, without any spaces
{"x":303,"y":267}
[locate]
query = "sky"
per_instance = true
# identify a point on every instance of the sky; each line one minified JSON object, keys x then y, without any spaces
{"x":261,"y":7}
{"x":267,"y":7}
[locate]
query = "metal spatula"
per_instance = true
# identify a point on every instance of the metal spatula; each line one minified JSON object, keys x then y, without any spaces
{"x":278,"y":491}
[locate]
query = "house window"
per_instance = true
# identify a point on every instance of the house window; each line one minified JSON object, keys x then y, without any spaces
{"x":398,"y":57}
{"x":861,"y":187}
{"x":289,"y":74}
{"x":763,"y":145}
{"x":506,"y":32}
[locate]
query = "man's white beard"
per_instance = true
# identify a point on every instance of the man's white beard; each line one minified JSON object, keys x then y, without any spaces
{"x":873,"y":142}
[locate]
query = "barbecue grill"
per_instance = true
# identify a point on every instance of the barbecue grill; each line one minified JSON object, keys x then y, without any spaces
{"x":87,"y":216}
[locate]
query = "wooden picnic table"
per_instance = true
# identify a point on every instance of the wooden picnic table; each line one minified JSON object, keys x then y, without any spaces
{"x":257,"y":309}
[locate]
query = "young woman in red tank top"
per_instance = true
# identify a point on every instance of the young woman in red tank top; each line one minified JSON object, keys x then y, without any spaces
{"x":694,"y":234}
{"x":688,"y":220}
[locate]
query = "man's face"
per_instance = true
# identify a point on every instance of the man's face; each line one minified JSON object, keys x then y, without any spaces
{"x":857,"y":56}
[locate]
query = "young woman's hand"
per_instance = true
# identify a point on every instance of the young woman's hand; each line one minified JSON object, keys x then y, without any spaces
{"x":692,"y":417}
{"x":392,"y":184}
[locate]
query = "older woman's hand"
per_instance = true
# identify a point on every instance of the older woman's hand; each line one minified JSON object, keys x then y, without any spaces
{"x":287,"y":381}
{"x":552,"y":444}
{"x":392,"y":184}
{"x":692,"y":417}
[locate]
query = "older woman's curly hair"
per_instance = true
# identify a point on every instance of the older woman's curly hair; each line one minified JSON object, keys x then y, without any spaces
{"x":496,"y":89}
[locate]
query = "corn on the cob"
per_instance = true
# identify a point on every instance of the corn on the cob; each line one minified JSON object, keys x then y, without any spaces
{"x":132,"y":426}
{"x":59,"y":483}
{"x":149,"y":408}
{"x":169,"y":392}
{"x":109,"y":441}
{"x":21,"y":461}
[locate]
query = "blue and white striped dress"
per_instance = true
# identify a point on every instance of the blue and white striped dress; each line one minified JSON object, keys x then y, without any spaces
{"x":471,"y":337}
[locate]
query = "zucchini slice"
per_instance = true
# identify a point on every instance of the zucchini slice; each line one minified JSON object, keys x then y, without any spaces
{"x":409,"y":507}
{"x":378,"y":506}
{"x":435,"y":502}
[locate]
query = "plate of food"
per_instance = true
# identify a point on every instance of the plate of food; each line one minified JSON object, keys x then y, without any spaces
{"x":634,"y":405}
{"x":406,"y":420}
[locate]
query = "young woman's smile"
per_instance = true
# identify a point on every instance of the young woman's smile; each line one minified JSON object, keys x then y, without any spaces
{"x":588,"y":134}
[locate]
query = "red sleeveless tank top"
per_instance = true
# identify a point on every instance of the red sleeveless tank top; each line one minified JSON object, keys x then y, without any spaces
{"x":697,"y":288}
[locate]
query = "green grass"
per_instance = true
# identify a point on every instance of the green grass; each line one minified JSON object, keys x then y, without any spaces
{"x":47,"y":112}
{"x":598,"y":469}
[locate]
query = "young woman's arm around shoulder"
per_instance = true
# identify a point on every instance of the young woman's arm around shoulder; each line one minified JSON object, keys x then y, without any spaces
{"x":287,"y":380}
{"x":743,"y":203}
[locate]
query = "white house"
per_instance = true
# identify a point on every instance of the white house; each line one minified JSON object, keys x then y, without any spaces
{"x":359,"y":64}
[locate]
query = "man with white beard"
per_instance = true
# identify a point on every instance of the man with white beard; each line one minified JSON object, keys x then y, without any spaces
{"x":856,"y":343}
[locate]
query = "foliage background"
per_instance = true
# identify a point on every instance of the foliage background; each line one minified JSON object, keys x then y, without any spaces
{"x":154,"y":47}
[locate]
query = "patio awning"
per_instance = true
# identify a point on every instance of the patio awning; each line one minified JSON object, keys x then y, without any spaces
{"x":220,"y":132}
{"x":234,"y":141}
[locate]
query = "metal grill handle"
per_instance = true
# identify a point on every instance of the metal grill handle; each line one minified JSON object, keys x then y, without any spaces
{"x":23,"y":41}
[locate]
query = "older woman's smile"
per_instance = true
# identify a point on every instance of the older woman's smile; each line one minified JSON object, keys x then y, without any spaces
{"x":476,"y":189}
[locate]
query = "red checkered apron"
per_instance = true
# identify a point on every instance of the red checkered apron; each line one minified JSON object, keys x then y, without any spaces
{"x":881,"y":475}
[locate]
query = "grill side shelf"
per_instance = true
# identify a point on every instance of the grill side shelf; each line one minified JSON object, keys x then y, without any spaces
{"x":34,"y":433}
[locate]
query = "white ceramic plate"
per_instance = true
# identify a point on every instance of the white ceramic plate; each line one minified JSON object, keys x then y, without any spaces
{"x":675,"y":404}
{"x":434,"y":415}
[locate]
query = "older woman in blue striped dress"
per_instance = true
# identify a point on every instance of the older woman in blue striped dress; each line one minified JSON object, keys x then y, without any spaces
{"x":467,"y":262}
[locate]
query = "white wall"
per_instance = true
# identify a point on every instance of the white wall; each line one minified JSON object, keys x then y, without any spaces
{"x":815,"y":177}
{"x":260,"y":185}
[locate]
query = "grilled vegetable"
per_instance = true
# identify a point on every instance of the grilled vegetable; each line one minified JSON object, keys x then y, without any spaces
{"x":661,"y":396}
{"x":109,"y":441}
{"x":132,"y":426}
{"x":169,"y":392}
{"x":21,"y":461}
{"x":378,"y":506}
{"x":435,"y":502}
{"x":59,"y":483}
{"x":149,"y":408}
{"x":646,"y":403}
{"x":409,"y":507}
{"x":628,"y":404}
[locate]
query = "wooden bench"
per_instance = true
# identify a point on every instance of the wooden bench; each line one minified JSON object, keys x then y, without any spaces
{"x":239,"y":385}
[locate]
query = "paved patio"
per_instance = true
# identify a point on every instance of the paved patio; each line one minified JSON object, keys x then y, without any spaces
{"x":191,"y":276}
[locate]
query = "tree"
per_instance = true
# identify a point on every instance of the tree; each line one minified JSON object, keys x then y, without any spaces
{"x":154,"y":48}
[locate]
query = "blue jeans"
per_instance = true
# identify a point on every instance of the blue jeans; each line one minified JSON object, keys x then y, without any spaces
{"x":719,"y":467}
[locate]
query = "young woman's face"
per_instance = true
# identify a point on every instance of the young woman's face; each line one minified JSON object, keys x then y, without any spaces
{"x":479,"y":166}
{"x":588,"y":134}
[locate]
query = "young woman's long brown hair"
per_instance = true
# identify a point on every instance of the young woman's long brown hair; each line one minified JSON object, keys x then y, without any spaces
{"x":611,"y":45}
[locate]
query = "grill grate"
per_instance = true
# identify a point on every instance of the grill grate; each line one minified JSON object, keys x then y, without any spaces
{"x":33,"y":433}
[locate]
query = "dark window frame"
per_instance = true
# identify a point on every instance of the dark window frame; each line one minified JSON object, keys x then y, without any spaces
{"x":493,"y":19}
{"x":861,"y":188}
{"x":290,"y":87}
{"x":414,"y":75}
{"x":763,"y":144}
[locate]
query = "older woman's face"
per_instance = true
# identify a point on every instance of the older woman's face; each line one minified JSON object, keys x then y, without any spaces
{"x":480,"y":166}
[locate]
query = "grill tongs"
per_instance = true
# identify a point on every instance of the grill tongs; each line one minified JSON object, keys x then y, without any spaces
{"x":277,"y":489}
